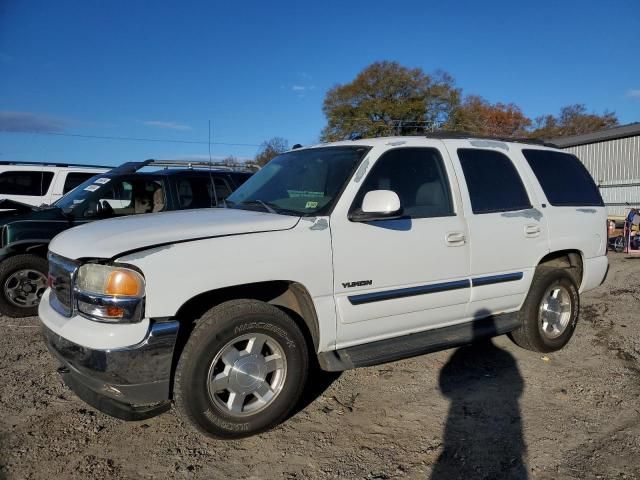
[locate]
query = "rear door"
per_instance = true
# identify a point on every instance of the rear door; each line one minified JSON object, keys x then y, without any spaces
{"x":508,"y":230}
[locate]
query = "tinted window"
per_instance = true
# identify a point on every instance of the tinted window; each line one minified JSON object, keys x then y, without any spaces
{"x":25,"y":183}
{"x":240,"y":178}
{"x":195,"y":192}
{"x":564,"y":179}
{"x":74,"y":179}
{"x":493,"y":182}
{"x":417,"y":175}
{"x":222,"y":189}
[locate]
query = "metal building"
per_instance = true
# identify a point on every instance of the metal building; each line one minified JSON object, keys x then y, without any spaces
{"x":612,"y":157}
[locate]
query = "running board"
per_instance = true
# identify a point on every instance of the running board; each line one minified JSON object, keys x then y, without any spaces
{"x":419,"y":343}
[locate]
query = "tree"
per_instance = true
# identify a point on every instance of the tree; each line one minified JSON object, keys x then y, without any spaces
{"x":230,"y":161}
{"x":271,"y":148}
{"x":385,"y":99}
{"x":572,"y":120}
{"x":476,"y":115}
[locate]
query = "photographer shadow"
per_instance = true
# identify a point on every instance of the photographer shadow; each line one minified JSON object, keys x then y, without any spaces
{"x":483,"y":436}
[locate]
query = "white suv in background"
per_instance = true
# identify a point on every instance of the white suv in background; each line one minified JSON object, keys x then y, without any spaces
{"x":42,"y":183}
{"x":349,"y":254}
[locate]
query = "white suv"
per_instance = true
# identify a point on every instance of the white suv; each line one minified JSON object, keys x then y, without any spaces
{"x":42,"y":183}
{"x":349,"y":254}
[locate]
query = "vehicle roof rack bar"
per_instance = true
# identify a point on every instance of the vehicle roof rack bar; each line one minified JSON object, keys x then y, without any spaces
{"x":452,"y":134}
{"x":201,"y":164}
{"x":53,"y":164}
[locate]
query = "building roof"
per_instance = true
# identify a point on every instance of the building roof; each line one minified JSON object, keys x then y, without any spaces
{"x":615,"y":133}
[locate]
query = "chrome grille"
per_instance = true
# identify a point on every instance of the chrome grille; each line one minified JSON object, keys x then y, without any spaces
{"x":61,"y":272}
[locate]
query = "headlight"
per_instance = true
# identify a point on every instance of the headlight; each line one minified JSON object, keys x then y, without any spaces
{"x":109,"y":294}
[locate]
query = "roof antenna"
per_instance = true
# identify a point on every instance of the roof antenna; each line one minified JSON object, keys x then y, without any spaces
{"x":214,"y":198}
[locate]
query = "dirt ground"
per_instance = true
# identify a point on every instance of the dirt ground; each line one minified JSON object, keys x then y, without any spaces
{"x":487,"y":411}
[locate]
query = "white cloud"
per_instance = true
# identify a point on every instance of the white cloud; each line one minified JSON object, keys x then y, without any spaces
{"x":11,"y":121}
{"x":168,"y":125}
{"x":634,"y":93}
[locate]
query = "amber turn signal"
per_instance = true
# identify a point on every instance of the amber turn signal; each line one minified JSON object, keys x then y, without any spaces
{"x":123,"y":283}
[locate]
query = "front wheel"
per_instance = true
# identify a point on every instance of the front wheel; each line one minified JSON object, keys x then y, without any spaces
{"x":550,"y":311}
{"x":23,"y":279}
{"x":242,"y":371}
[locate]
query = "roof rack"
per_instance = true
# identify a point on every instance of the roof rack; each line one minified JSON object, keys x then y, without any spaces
{"x":446,"y":134}
{"x":53,"y":164}
{"x":131,"y":167}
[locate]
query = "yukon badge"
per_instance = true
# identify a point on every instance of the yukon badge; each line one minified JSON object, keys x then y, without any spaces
{"x":359,"y":283}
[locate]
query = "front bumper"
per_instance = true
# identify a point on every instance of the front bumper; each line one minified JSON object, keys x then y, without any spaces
{"x":131,"y":383}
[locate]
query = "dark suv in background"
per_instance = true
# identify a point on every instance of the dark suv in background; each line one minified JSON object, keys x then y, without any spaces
{"x":125,"y":190}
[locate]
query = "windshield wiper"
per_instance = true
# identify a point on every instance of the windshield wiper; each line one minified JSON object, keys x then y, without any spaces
{"x":264,"y":205}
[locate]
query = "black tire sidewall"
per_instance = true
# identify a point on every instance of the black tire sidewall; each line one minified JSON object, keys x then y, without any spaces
{"x":212,"y":419}
{"x":8,"y":267}
{"x":554,"y":278}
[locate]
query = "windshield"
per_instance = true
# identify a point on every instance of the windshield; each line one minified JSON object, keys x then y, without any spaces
{"x":304,"y":182}
{"x":82,"y":192}
{"x":107,"y":196}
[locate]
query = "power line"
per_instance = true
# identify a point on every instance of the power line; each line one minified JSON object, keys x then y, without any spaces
{"x":140,"y":139}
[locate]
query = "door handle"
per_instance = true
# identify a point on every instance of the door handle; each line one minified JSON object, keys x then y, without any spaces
{"x":532,"y":230}
{"x":455,"y":239}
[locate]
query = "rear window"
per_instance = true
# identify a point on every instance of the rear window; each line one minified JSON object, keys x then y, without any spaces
{"x":493,"y":182}
{"x":564,"y":179}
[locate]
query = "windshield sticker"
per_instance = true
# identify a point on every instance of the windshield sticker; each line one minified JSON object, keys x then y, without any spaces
{"x":304,"y":193}
{"x":92,"y":188}
{"x":311,"y":205}
{"x":102,"y":180}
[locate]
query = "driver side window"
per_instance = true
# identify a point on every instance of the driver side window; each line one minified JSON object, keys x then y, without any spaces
{"x":128,"y":197}
{"x":417,"y":176}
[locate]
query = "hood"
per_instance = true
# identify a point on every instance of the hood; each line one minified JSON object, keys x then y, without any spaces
{"x":109,"y":238}
{"x":8,"y":204}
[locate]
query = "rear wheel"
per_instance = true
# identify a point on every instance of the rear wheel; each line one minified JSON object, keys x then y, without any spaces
{"x":242,"y":371}
{"x":550,"y":311}
{"x":23,"y":279}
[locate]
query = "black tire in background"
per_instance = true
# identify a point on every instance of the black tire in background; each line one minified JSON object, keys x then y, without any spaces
{"x":224,"y":325}
{"x":18,"y":276}
{"x":531,"y":335}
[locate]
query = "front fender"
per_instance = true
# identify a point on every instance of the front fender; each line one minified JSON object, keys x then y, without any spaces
{"x":178,"y":272}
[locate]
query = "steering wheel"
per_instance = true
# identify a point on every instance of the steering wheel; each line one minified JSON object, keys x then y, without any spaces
{"x":104,"y":209}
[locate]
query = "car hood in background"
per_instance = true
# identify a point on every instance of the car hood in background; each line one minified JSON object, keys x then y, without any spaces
{"x":110,"y":238}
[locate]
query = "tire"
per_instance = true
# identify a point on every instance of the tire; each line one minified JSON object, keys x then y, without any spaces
{"x":224,"y":346}
{"x":544,"y":329}
{"x":23,"y":280}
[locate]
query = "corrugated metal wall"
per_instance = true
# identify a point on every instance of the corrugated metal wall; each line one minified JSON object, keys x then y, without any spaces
{"x":615,"y":166}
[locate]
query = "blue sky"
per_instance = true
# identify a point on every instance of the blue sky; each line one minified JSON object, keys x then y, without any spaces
{"x":161,"y":70}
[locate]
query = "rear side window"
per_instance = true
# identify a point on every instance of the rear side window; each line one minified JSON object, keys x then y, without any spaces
{"x":564,"y":179}
{"x":30,"y":183}
{"x":493,"y":182}
{"x":74,"y":179}
{"x":418,"y":176}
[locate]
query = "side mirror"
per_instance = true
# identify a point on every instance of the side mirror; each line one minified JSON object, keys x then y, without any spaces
{"x":378,"y":205}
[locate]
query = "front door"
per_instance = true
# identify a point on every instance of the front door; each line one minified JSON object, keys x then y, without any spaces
{"x":395,"y":277}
